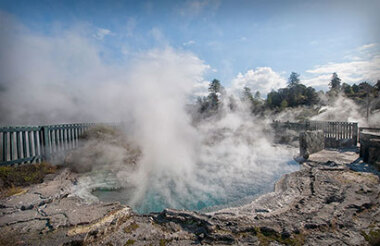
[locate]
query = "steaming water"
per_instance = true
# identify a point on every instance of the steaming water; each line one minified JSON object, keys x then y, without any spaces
{"x":208,"y":192}
{"x":228,"y":162}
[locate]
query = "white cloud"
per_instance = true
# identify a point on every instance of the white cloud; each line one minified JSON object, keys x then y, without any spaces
{"x":362,"y":64}
{"x":263,"y":79}
{"x":189,"y":43}
{"x":350,"y":72}
{"x":367,"y":46}
{"x":101,"y":33}
{"x":195,"y":7}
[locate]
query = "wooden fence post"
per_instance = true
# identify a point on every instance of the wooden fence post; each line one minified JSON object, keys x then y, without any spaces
{"x":355,"y":133}
{"x":5,"y":147}
{"x":45,"y":142}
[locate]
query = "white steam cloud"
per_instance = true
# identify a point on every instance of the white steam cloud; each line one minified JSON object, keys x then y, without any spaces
{"x":345,"y":109}
{"x":63,"y":77}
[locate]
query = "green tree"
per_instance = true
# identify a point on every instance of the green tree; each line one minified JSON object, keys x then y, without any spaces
{"x":335,"y":82}
{"x":377,"y":85}
{"x":284,"y":104}
{"x":347,"y":89}
{"x":257,"y":95}
{"x":216,"y":90}
{"x":293,"y":79}
{"x":215,"y":86}
{"x":203,"y":104}
{"x":247,"y":94}
{"x":269,"y":100}
{"x":311,"y":96}
{"x":355,"y":88}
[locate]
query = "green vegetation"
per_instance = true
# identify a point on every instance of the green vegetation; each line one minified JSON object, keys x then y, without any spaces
{"x":14,"y":190}
{"x":267,"y":236}
{"x":294,"y":95}
{"x":15,"y":177}
{"x":131,"y":227}
{"x":335,"y":82}
{"x":130,"y":242}
{"x":373,"y":237}
{"x":213,"y":101}
{"x":24,"y":175}
{"x":162,"y":242}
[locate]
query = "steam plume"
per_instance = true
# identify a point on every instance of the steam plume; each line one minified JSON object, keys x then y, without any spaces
{"x":62,"y":77}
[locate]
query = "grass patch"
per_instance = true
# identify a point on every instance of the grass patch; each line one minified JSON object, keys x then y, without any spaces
{"x":13,"y":178}
{"x":26,"y":174}
{"x":265,"y":237}
{"x":130,"y":242}
{"x":14,"y":190}
{"x":100,"y":132}
{"x":131,"y":227}
{"x":373,"y":237}
{"x":162,"y":242}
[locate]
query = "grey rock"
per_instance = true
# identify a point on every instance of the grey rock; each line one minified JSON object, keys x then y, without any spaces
{"x":311,"y":142}
{"x":324,"y":203}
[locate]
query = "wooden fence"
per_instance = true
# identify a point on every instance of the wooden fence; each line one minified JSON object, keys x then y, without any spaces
{"x":370,"y":144}
{"x":337,"y":134}
{"x":369,"y":129}
{"x":30,"y":144}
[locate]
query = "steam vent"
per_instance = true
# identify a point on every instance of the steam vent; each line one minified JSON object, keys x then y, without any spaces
{"x":194,"y":122}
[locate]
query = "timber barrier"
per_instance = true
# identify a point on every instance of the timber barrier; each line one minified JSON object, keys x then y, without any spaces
{"x":31,"y":144}
{"x":369,"y":138}
{"x":337,"y":134}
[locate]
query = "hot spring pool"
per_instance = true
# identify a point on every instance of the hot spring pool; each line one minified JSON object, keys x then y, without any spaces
{"x":207,"y":194}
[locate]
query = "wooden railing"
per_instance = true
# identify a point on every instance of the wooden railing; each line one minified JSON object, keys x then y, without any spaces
{"x":30,"y":144}
{"x":369,"y":129}
{"x":337,"y":134}
{"x":369,"y":144}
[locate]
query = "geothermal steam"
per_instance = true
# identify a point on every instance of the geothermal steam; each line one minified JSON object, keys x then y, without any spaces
{"x":64,"y":78}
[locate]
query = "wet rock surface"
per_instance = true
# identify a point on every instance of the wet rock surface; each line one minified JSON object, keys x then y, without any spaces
{"x":325,"y":203}
{"x":311,"y":142}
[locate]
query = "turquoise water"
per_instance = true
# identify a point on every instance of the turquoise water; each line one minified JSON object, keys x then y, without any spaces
{"x":215,"y":192}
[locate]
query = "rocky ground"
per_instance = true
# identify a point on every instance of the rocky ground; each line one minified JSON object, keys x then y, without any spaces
{"x":325,"y":203}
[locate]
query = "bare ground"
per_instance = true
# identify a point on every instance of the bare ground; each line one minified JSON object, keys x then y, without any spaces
{"x":325,"y":203}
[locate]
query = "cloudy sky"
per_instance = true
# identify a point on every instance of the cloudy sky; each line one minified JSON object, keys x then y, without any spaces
{"x":253,"y":43}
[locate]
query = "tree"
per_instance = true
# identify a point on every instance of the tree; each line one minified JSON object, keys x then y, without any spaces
{"x":365,"y":88}
{"x":377,"y":85}
{"x":335,"y":82}
{"x":311,"y":96}
{"x":215,"y":86}
{"x":355,"y":88}
{"x":292,"y":96}
{"x":247,"y":94}
{"x":216,"y":90}
{"x":257,"y":95}
{"x":211,"y":103}
{"x":203,"y":104}
{"x":284,"y":104}
{"x":347,"y":89}
{"x":293,"y":79}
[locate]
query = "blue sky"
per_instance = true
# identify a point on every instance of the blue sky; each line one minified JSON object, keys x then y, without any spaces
{"x":244,"y":42}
